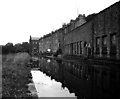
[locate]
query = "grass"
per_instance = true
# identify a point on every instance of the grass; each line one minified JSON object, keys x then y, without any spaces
{"x":15,"y":75}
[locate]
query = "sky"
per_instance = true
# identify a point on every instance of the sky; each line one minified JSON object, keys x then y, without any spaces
{"x":21,"y":18}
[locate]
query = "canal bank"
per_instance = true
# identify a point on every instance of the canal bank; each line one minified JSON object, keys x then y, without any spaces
{"x":16,"y":76}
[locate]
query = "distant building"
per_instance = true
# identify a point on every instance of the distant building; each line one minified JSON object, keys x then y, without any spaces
{"x":45,"y":43}
{"x":34,"y":48}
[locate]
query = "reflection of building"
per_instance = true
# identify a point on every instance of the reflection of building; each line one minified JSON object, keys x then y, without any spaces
{"x":105,"y":80}
{"x":34,"y":46}
{"x":87,"y":80}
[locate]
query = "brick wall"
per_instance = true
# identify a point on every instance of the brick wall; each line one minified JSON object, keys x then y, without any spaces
{"x":106,"y":23}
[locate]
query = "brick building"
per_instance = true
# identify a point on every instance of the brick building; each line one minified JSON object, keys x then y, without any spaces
{"x":57,"y":40}
{"x":74,"y":23}
{"x":45,"y":43}
{"x":77,"y":37}
{"x":34,"y":50}
{"x":98,"y":37}
{"x":51,"y":42}
{"x":106,"y":34}
{"x":77,"y":41}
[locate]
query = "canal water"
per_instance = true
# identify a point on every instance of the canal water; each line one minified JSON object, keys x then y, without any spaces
{"x":79,"y":80}
{"x":47,"y":87}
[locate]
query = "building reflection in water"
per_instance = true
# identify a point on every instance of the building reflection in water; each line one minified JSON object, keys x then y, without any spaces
{"x":85,"y":79}
{"x":49,"y":88}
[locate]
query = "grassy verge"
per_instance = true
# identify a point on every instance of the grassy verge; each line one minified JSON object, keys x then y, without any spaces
{"x":15,"y":75}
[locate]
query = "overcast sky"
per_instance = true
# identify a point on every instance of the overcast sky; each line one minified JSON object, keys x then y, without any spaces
{"x":21,"y":18}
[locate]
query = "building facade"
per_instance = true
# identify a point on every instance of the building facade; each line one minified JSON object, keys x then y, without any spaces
{"x":45,"y":44}
{"x":79,"y":40}
{"x":106,"y":34}
{"x":34,"y":49}
{"x":99,"y":37}
{"x":57,"y":40}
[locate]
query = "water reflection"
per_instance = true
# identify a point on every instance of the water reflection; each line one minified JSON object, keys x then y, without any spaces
{"x":47,"y":87}
{"x":85,"y":79}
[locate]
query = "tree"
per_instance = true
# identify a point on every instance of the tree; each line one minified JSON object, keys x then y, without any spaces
{"x":10,"y":48}
{"x":25,"y":46}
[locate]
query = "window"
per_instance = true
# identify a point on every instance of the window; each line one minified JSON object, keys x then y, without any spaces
{"x":113,"y":44}
{"x":97,"y":41}
{"x":80,"y":47}
{"x":113,"y":39}
{"x":104,"y":45}
{"x":65,"y":30}
{"x":97,"y":45}
{"x":104,"y":40}
{"x":75,"y":48}
{"x":71,"y":48}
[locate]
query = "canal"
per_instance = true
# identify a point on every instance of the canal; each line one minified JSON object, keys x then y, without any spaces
{"x":79,"y":80}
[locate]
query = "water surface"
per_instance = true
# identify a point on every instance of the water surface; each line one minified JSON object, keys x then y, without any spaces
{"x":49,"y":88}
{"x":83,"y":79}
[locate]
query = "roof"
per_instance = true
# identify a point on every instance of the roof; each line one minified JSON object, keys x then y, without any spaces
{"x":34,"y":38}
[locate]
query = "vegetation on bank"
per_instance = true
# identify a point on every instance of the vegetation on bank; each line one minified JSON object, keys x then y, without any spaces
{"x":15,"y":75}
{"x":10,"y":48}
